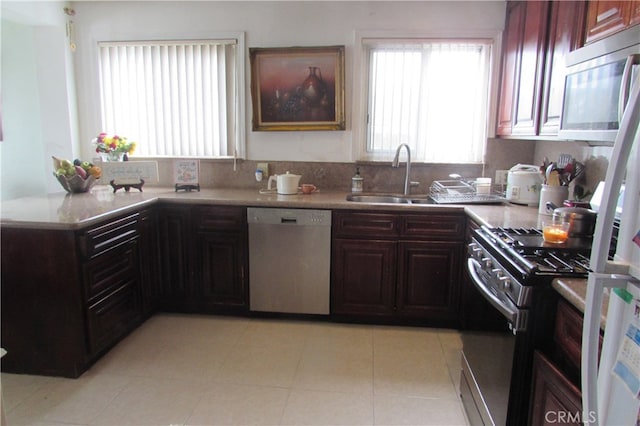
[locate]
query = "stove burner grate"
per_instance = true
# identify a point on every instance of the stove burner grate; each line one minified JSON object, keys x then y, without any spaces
{"x":526,"y":249}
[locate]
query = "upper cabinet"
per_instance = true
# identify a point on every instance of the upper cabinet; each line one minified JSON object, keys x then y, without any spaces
{"x":608,"y":17}
{"x":522,"y":66}
{"x":566,"y":32}
{"x":537,"y":37}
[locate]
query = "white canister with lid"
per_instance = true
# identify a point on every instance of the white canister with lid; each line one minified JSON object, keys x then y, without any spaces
{"x":555,"y":194}
{"x":483,"y":185}
{"x":523,"y":184}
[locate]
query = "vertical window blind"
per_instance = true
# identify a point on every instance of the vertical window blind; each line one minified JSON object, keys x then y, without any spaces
{"x":176,"y":99}
{"x":432,"y":96}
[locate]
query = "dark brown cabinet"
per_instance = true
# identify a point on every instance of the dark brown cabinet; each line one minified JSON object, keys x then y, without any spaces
{"x":393,"y":266}
{"x":363,"y":277}
{"x":537,"y":37}
{"x":566,"y":33}
{"x":428,"y":280}
{"x":111,"y":280}
{"x":149,"y":261}
{"x":522,"y":68}
{"x":363,"y":263}
{"x":221,"y":259}
{"x":567,"y":337}
{"x":605,"y":18}
{"x":554,"y":398}
{"x":70,"y":295}
{"x":67,"y":296}
{"x":175,"y":258}
{"x":203,"y":258}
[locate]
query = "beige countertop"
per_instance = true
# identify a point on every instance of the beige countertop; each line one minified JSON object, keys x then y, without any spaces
{"x":75,"y":211}
{"x":575,"y":292}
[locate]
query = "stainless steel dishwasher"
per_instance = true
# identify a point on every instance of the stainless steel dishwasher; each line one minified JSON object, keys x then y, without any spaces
{"x":289,"y":260}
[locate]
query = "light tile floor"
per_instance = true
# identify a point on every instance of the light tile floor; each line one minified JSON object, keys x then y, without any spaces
{"x":210,"y":370}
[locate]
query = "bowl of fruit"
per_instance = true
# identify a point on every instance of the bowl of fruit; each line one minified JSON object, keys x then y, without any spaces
{"x":79,"y":176}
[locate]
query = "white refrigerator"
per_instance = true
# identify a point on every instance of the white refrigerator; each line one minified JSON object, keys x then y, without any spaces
{"x":611,"y":388}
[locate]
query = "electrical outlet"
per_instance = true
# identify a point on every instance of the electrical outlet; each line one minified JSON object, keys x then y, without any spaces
{"x":501,"y":177}
{"x":265,"y":169}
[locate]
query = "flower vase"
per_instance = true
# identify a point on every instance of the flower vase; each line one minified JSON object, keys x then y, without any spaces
{"x":114,"y":156}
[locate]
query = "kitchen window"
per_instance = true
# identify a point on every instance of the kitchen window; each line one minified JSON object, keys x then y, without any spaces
{"x":175,"y":98}
{"x":430,"y":94}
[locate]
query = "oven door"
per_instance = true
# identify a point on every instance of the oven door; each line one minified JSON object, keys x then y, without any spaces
{"x":488,"y":357}
{"x":485,"y":381}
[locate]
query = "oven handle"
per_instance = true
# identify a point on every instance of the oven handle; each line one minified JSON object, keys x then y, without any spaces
{"x":510,"y":314}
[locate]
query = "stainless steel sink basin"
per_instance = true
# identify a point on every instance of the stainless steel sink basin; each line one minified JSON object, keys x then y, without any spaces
{"x":378,"y":199}
{"x":387,"y":199}
{"x":425,"y":200}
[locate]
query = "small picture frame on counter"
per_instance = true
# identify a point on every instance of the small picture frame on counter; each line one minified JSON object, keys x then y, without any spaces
{"x":186,"y":175}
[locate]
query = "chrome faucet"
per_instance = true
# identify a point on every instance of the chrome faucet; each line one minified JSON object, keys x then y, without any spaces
{"x":396,"y":163}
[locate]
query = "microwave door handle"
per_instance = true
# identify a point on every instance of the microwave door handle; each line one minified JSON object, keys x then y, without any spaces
{"x":625,"y":85}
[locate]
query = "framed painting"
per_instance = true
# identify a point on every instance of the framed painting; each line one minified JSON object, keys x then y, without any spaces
{"x":297,"y":88}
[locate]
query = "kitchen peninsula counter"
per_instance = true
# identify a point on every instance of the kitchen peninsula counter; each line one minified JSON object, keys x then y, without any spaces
{"x":102,"y":279}
{"x":76,"y":211}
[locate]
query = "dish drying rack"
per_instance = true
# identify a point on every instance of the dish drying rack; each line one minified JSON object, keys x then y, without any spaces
{"x":460,"y":192}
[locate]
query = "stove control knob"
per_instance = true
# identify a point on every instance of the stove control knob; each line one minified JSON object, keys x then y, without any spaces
{"x":487,"y":263}
{"x":506,"y":283}
{"x":475,"y":251}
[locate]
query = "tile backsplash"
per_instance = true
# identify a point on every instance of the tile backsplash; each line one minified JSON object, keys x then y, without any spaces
{"x":501,"y":154}
{"x":380,"y":177}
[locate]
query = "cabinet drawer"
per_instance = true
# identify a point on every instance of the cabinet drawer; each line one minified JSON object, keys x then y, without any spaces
{"x":111,"y":317}
{"x":433,"y":226}
{"x":568,"y":333}
{"x":101,"y":238}
{"x":359,"y":224}
{"x":111,"y":270}
{"x":225,"y":218}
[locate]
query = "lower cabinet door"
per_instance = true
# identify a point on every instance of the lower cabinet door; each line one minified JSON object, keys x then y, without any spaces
{"x":555,"y":400}
{"x":221,"y":262}
{"x":429,"y":280}
{"x":363,"y":277}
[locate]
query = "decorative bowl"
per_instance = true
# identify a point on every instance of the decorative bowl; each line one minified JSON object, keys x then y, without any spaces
{"x":76,"y":184}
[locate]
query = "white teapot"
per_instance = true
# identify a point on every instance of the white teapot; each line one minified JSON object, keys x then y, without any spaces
{"x":286,"y":184}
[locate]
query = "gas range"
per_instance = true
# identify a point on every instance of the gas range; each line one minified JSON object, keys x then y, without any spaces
{"x":529,"y":258}
{"x":512,"y":269}
{"x":508,"y":264}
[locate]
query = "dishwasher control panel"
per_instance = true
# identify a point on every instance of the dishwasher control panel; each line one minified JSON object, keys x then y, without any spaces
{"x":277,"y":216}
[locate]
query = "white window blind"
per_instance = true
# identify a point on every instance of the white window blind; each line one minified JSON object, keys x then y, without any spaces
{"x":432,"y":96}
{"x":176,"y":99}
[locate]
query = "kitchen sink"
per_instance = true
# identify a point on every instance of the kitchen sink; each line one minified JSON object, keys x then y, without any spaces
{"x":387,"y":199}
{"x":425,"y":200}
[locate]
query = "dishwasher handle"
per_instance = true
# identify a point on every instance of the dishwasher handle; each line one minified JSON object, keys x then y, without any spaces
{"x":260,"y":216}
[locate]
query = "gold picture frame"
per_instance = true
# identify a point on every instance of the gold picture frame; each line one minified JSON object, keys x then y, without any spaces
{"x":297,"y":88}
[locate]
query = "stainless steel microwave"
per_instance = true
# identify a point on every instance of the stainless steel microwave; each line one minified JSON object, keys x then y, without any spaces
{"x":598,"y":81}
